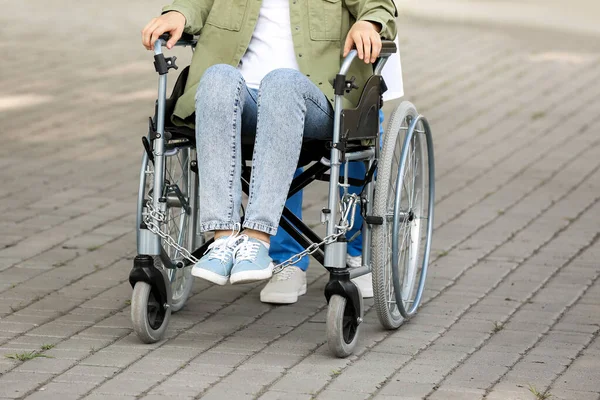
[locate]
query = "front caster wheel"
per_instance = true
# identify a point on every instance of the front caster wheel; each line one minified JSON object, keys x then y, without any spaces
{"x":150,"y":319}
{"x":343,"y":326}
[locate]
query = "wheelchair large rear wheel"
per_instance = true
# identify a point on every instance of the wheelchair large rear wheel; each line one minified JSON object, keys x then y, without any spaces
{"x":404,"y":198}
{"x":181,"y":183}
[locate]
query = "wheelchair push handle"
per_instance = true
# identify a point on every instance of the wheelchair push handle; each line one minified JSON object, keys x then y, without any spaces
{"x":185,"y":40}
{"x":388,"y":47}
{"x":185,"y":37}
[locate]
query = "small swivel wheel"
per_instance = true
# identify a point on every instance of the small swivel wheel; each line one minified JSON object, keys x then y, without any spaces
{"x":343,"y":325}
{"x":149,"y":318}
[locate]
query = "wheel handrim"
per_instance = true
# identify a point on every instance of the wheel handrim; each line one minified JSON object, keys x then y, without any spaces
{"x":403,"y":244}
{"x":412,"y":228}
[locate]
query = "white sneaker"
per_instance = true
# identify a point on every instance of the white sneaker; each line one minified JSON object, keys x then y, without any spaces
{"x":364,"y":282}
{"x":285,"y":287}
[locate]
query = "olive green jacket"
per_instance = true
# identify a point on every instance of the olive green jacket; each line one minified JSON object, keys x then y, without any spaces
{"x":319,"y":30}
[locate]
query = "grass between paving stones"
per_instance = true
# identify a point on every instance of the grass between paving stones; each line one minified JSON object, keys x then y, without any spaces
{"x":498,"y":326}
{"x":30,"y":355}
{"x":538,"y":115}
{"x":27,"y":355}
{"x":59,"y":264}
{"x":538,"y":395}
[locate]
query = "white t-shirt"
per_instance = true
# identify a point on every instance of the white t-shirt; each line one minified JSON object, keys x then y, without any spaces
{"x":271,"y":47}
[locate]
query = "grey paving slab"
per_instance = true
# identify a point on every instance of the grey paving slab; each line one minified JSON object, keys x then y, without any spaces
{"x":513,"y":294}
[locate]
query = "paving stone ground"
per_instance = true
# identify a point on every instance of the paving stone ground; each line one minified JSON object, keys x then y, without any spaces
{"x":512,"y":303}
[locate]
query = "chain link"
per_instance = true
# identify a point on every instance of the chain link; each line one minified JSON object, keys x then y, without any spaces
{"x":151,"y":218}
{"x":347,"y":208}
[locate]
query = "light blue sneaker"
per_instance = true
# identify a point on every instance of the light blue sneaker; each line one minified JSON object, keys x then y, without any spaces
{"x":252,"y":262}
{"x":215,"y":266}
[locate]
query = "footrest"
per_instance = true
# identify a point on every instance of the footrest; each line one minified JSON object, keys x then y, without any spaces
{"x":374,"y":220}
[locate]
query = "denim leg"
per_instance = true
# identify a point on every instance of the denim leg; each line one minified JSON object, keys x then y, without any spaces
{"x":283,"y":246}
{"x":290,"y":107}
{"x":221,"y":99}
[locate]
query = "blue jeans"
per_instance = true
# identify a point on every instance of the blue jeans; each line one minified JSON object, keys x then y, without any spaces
{"x":283,"y":246}
{"x":285,"y":109}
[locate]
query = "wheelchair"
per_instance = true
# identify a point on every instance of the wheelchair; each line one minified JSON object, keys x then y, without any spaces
{"x":396,"y":202}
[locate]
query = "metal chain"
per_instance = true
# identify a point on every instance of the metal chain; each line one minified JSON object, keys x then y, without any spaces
{"x":153,"y":218}
{"x":347,"y":208}
{"x":153,"y":215}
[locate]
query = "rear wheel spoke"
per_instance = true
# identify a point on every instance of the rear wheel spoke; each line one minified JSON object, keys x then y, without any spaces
{"x":177,"y":221}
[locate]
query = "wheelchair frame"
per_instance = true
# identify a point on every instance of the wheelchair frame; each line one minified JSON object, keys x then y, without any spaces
{"x":348,"y":311}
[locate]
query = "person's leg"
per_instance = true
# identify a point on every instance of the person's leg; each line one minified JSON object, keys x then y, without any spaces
{"x":223,"y":103}
{"x":290,"y":107}
{"x":283,"y":246}
{"x":356,"y":170}
{"x":287,"y":286}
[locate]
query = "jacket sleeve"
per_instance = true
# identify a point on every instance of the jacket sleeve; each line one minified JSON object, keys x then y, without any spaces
{"x":384,"y":12}
{"x":194,"y":11}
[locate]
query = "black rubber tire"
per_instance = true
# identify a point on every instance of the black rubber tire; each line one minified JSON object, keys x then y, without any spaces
{"x":148,"y":331}
{"x":341,"y":337}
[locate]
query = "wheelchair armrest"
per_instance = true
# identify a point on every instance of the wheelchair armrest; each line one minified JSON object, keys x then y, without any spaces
{"x":186,"y":39}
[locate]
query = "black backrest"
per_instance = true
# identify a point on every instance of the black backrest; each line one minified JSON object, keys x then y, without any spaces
{"x":176,"y":93}
{"x":362,"y":122}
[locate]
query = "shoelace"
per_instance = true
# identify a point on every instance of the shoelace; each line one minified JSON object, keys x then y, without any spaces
{"x":285,"y":274}
{"x":224,"y":247}
{"x":246,"y":250}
